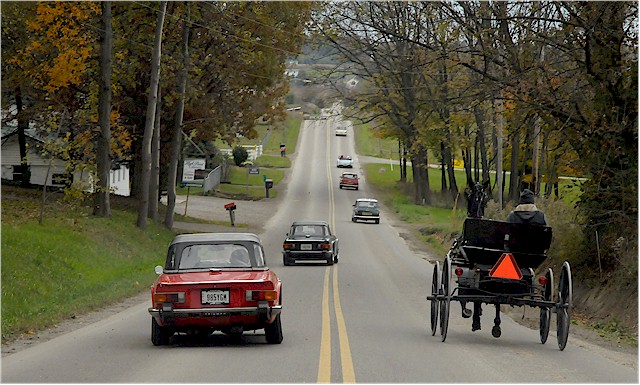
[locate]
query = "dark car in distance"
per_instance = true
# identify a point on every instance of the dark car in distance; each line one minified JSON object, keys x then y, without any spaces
{"x":366,"y":209}
{"x":310,"y":241}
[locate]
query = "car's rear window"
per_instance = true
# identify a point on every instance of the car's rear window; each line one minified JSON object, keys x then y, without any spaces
{"x":311,"y":230}
{"x":214,"y":255}
{"x":367,"y":204}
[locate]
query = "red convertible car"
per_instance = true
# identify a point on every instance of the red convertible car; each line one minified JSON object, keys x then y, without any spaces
{"x":215,"y":282}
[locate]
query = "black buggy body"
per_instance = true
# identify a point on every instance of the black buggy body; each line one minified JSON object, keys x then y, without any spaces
{"x":494,"y":263}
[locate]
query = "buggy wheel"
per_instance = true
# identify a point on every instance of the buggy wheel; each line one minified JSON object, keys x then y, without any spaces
{"x":435,"y":284}
{"x":565,"y":298}
{"x":445,"y":290}
{"x":545,"y":312}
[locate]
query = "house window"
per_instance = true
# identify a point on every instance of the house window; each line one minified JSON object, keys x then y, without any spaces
{"x":17,"y":172}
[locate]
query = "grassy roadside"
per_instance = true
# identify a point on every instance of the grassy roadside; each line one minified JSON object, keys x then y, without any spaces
{"x":72,"y":263}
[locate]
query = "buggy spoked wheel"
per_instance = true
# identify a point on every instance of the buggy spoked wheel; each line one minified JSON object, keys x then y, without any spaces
{"x":445,"y":302}
{"x":565,"y":297}
{"x":545,"y":312}
{"x":435,"y":288}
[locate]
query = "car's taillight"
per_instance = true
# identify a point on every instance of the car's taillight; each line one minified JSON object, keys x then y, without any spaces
{"x":325,"y":246}
{"x":287,"y":246}
{"x":261,"y":295}
{"x":168,"y":297}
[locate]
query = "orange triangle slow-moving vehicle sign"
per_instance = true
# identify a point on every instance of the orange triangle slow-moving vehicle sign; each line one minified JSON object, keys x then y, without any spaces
{"x":506,"y":267}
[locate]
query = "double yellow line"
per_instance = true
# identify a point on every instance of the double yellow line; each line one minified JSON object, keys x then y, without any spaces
{"x":324,"y":369}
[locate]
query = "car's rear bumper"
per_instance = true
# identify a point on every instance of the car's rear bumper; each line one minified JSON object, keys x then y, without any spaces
{"x":307,"y":255}
{"x":367,"y":217}
{"x":263,"y":313}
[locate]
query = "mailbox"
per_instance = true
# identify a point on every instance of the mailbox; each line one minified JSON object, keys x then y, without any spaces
{"x":230,"y":207}
{"x":268,"y":183}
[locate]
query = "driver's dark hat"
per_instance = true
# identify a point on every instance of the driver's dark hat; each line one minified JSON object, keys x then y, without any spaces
{"x":526,"y":196}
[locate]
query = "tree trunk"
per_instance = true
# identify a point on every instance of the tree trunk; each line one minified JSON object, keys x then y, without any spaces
{"x":176,"y":140}
{"x":102,"y":204}
{"x":535,"y":174}
{"x":154,"y":177}
{"x":443,"y":170}
{"x":143,"y":204}
{"x":482,"y":148}
{"x":499,"y":170}
{"x":421,"y":177}
{"x":448,"y":159}
{"x":514,"y":181}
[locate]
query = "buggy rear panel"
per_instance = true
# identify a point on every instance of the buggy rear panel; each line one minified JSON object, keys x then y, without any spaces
{"x":485,"y":240}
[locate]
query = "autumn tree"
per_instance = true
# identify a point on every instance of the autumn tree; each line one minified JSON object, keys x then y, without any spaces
{"x":58,"y":58}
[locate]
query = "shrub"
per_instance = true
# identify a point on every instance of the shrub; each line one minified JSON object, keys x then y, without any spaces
{"x":240,"y":155}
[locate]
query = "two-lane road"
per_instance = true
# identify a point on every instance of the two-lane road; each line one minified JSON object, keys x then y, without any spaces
{"x":362,"y":320}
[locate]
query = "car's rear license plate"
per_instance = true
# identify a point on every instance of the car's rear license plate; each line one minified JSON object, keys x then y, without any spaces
{"x":215,"y":297}
{"x":366,"y":213}
{"x":306,"y":246}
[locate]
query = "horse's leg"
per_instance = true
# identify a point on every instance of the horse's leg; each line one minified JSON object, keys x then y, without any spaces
{"x":496,"y":332}
{"x":477,"y":312}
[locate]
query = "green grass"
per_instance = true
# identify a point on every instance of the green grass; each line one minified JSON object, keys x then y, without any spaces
{"x":369,"y":145}
{"x":72,"y":263}
{"x":241,"y":176}
{"x":245,"y":192}
{"x":272,"y":161}
{"x":286,"y":133}
{"x":243,"y":185}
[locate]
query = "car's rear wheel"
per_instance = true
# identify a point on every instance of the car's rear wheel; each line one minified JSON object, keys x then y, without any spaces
{"x":273,"y":331}
{"x":330,"y":260}
{"x":377,"y":221}
{"x":160,"y":335}
{"x":286,"y":260}
{"x":340,"y":187}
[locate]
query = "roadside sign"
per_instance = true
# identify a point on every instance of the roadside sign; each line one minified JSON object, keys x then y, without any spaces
{"x":190,"y":167}
{"x":254,"y":171}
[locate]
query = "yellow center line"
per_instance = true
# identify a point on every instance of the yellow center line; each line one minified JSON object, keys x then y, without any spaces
{"x":324,"y":370}
{"x":348,"y":374}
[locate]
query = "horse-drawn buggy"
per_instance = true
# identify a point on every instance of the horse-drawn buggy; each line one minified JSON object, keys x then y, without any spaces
{"x":493,"y":263}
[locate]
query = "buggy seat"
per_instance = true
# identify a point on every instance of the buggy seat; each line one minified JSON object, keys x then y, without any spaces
{"x":485,"y":240}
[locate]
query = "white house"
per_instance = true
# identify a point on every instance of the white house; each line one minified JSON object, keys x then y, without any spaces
{"x":40,"y":166}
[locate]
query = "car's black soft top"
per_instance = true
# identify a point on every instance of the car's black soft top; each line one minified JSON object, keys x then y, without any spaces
{"x":310,"y":223}
{"x":215,"y":237}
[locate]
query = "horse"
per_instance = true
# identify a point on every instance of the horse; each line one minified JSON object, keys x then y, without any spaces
{"x":477,"y":198}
